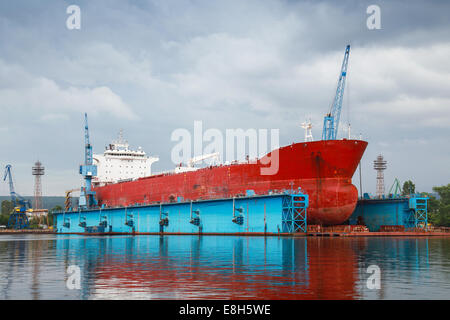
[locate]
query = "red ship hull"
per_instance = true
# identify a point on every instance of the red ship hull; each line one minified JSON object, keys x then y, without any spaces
{"x":322,"y":169}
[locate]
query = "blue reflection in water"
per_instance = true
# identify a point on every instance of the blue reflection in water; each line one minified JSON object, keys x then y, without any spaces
{"x":222,"y":267}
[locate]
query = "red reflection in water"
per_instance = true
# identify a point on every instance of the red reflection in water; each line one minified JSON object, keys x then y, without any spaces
{"x":329,"y":270}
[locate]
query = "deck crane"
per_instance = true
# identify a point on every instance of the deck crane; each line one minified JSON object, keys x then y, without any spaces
{"x":331,"y":120}
{"x":68,"y":206}
{"x":18,"y":219}
{"x":200,"y":158}
{"x":88,"y":170}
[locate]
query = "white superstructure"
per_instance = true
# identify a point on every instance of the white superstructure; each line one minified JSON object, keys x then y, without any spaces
{"x":120,"y":163}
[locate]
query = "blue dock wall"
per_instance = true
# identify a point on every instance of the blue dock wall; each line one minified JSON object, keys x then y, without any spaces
{"x":260,"y":213}
{"x":382,"y":212}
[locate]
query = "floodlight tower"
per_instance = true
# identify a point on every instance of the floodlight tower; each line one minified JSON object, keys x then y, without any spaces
{"x":380,"y":165}
{"x":37,"y":171}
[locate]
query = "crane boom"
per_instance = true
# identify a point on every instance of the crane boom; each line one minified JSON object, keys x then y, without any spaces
{"x":15,"y":197}
{"x":202,"y":157}
{"x":88,"y":170}
{"x":10,"y":182}
{"x":18,"y":218}
{"x":88,"y":147}
{"x":331,"y":120}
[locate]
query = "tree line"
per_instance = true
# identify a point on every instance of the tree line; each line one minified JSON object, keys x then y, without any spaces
{"x":439,"y":209}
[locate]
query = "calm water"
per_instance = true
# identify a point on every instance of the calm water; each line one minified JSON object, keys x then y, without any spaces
{"x":222,"y":267}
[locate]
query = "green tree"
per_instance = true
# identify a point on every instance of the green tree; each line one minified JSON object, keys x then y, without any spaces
{"x":441,"y":208}
{"x":50,"y":214}
{"x":432,"y":208}
{"x":33,"y":223}
{"x":3,"y":220}
{"x":408,"y":188}
{"x":7,"y":207}
{"x":56,"y":208}
{"x":50,"y":219}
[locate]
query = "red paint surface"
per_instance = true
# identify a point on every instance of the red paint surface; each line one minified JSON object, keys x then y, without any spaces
{"x":323,"y":169}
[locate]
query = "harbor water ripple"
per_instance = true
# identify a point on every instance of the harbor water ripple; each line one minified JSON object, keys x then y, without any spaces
{"x":223,"y":267}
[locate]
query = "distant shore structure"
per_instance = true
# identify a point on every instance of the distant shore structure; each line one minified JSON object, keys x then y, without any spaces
{"x":380,"y":165}
{"x":37,"y":171}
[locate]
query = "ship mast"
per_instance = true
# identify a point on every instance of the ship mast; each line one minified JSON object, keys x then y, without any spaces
{"x":307,"y":125}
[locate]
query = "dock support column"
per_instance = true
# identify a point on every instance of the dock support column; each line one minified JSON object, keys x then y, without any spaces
{"x":419,"y":213}
{"x":294,"y":213}
{"x":163,"y":219}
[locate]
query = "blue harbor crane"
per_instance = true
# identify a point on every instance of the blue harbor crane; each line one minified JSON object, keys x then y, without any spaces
{"x":88,"y":170}
{"x":18,"y":219}
{"x":331,"y":120}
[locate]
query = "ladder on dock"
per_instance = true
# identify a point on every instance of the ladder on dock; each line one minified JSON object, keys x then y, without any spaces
{"x":418,"y":217}
{"x":294,"y":213}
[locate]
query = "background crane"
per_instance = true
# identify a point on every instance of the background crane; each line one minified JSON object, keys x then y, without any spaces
{"x":88,"y":170}
{"x":331,"y":120}
{"x":68,"y":206}
{"x":18,"y":219}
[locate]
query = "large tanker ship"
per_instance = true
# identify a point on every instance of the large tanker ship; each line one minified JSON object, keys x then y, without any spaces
{"x":323,"y":169}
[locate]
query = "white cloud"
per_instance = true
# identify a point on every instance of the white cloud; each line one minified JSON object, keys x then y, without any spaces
{"x":40,"y":95}
{"x":54,"y":117}
{"x":396,"y":83}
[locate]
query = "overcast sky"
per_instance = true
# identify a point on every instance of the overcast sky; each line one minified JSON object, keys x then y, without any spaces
{"x":151,"y":67}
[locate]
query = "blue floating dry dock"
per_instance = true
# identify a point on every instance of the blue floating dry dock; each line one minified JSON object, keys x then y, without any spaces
{"x":252,"y":214}
{"x":381,"y":213}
